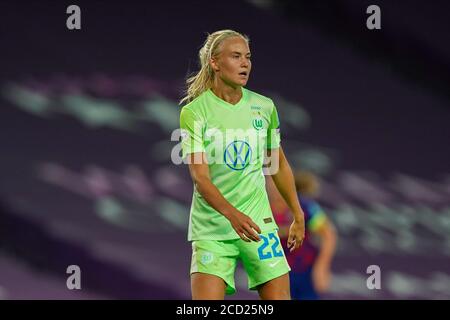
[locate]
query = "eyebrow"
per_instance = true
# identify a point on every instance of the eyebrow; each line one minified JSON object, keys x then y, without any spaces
{"x":236,"y":52}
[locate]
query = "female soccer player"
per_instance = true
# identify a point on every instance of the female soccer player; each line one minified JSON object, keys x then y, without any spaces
{"x":226,"y":131}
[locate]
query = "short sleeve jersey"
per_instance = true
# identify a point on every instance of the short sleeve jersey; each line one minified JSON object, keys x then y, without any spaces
{"x":234,"y":139}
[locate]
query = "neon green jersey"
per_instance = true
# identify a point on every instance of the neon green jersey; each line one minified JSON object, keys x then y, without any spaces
{"x":234,"y":139}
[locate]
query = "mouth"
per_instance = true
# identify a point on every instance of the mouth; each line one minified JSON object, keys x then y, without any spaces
{"x":243,"y":73}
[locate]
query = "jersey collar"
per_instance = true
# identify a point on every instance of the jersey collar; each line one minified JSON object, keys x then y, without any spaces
{"x":226,"y":104}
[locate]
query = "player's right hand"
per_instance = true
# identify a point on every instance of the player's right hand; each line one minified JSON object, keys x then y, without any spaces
{"x":244,"y":226}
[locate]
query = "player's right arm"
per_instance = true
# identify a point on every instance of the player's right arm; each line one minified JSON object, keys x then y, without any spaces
{"x":241,"y":223}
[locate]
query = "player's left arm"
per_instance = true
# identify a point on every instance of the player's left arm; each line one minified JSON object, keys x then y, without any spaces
{"x":284,"y":181}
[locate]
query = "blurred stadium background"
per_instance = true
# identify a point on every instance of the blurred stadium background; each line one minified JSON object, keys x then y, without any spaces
{"x":86,"y":119}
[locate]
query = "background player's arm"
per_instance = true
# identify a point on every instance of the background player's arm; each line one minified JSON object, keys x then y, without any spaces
{"x":284,"y":181}
{"x":322,"y":266}
{"x":241,"y":223}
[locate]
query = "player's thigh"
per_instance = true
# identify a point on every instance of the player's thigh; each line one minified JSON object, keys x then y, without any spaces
{"x":207,"y":287}
{"x":265,"y":261}
{"x":275,"y":289}
{"x":213,"y":260}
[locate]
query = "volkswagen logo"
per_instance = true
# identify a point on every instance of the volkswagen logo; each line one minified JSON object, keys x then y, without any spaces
{"x":237,"y":155}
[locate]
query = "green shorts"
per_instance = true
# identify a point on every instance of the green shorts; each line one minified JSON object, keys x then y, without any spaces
{"x":263,"y":260}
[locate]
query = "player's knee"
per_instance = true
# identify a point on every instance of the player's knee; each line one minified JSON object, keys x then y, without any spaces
{"x":275,"y":291}
{"x":276,"y":295}
{"x":282,"y":294}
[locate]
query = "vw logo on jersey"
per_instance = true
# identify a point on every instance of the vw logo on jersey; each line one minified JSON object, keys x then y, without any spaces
{"x":237,"y":155}
{"x":257,"y":123}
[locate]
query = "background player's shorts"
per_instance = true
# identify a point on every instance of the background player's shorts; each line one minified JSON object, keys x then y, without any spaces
{"x":302,"y":285}
{"x":263,"y":260}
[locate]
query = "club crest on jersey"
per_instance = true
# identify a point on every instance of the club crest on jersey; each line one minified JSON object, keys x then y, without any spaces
{"x":207,"y":258}
{"x":258,"y":123}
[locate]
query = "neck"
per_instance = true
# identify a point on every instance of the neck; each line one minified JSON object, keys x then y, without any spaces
{"x":230,"y":94}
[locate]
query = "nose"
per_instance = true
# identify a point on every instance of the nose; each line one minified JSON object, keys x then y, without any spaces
{"x":245,"y":63}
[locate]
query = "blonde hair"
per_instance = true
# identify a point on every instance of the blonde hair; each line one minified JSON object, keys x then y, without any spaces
{"x":306,"y":183}
{"x":203,"y":80}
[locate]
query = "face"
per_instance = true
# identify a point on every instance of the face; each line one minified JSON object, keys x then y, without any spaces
{"x":233,"y":65}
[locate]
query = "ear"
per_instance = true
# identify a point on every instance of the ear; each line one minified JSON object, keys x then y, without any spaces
{"x":214,"y":64}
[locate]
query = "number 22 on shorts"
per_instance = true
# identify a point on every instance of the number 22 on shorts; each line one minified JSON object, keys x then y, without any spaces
{"x":275,"y":251}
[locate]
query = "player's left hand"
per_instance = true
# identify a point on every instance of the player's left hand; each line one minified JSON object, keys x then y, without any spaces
{"x":296,"y":234}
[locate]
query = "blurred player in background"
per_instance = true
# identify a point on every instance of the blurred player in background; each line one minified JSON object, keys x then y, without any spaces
{"x":310,"y":274}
